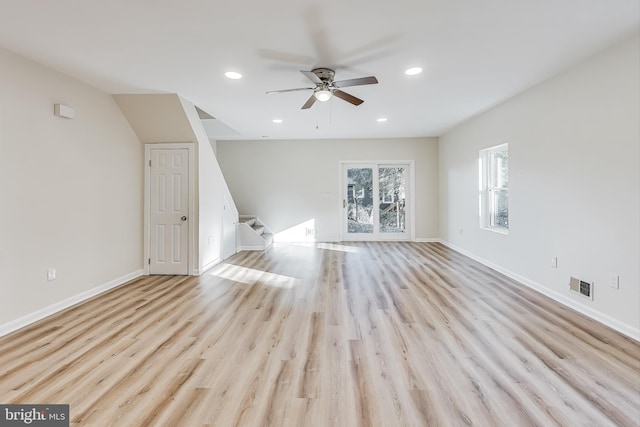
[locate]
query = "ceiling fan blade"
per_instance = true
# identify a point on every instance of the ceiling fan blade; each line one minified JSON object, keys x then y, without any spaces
{"x":347,"y":97}
{"x":289,"y":90}
{"x":371,"y":80}
{"x":309,"y":102}
{"x":311,"y":76}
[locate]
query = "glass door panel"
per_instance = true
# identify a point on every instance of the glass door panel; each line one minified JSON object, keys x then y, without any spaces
{"x":359,"y":198}
{"x":392,"y":199}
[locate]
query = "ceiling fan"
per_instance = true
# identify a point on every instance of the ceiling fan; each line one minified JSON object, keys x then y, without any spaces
{"x":326,"y":87}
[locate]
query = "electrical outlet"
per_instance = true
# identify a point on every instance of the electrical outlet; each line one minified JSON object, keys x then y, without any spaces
{"x":554,"y":262}
{"x":51,"y":274}
{"x":614,"y":281}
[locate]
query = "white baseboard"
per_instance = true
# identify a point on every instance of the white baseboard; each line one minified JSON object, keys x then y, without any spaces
{"x":427,"y":240}
{"x":252,"y":248}
{"x":23,"y":321}
{"x":209,"y":266}
{"x":605,"y":319}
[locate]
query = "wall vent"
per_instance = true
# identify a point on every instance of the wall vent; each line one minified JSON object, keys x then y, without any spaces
{"x":581,"y":287}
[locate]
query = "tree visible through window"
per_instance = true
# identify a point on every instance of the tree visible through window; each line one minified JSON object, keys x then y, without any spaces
{"x":493,"y":166}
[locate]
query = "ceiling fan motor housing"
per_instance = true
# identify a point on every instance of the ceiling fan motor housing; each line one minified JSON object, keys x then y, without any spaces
{"x":324,"y":74}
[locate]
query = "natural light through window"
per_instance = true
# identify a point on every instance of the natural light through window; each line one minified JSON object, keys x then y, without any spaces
{"x":303,"y":232}
{"x":493,"y":185}
{"x":331,"y":247}
{"x":250,"y":276}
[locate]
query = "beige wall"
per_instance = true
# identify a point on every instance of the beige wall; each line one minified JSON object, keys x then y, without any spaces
{"x":71,"y":190}
{"x":290,"y":182}
{"x":574,"y":166}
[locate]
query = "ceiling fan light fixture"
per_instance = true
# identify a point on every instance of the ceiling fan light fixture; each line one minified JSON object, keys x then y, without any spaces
{"x":323,"y":95}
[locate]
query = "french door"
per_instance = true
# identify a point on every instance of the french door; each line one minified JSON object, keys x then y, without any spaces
{"x":376,"y":200}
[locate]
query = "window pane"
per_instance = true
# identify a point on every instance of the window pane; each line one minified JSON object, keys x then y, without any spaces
{"x":360,"y":200}
{"x":500,"y":172}
{"x":500,"y":214}
{"x":392,"y":200}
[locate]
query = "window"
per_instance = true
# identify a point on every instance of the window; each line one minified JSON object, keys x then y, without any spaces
{"x":493,"y":166}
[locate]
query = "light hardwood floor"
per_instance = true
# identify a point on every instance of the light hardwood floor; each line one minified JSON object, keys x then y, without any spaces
{"x":358,"y":334}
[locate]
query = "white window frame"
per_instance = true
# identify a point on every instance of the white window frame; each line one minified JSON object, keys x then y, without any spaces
{"x":488,"y":189}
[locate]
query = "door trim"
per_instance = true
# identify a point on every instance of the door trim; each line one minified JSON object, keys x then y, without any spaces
{"x":192,"y":200}
{"x":411,"y":235}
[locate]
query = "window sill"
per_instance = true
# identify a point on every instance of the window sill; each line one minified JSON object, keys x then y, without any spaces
{"x":503,"y":231}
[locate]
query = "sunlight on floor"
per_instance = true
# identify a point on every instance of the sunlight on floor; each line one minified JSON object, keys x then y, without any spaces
{"x":250,"y":276}
{"x":330,"y":247}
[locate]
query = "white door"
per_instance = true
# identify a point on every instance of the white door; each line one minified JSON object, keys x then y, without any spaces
{"x":169,"y":210}
{"x":375,"y":201}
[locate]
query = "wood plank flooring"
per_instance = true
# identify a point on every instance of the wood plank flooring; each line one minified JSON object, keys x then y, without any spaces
{"x":357,"y":334}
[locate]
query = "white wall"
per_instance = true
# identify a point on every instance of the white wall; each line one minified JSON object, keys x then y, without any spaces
{"x":574,"y":167}
{"x":287,"y":183}
{"x":214,"y":197}
{"x":71,"y":190}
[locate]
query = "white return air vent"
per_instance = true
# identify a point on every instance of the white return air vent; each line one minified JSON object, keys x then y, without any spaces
{"x":581,"y":287}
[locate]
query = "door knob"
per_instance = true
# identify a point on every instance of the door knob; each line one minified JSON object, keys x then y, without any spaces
{"x":184,"y":218}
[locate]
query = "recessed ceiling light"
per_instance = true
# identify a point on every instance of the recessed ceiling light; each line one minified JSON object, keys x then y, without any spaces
{"x":277,"y":120}
{"x":233,"y":75}
{"x":381,"y":119}
{"x":413,"y":71}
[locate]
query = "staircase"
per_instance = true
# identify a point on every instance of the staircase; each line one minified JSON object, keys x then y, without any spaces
{"x":253,"y":235}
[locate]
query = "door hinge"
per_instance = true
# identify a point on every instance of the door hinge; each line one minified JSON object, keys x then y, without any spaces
{"x":344,"y":203}
{"x":149,"y":261}
{"x":149,"y":163}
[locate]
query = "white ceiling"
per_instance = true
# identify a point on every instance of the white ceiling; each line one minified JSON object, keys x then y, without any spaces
{"x":475,"y":53}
